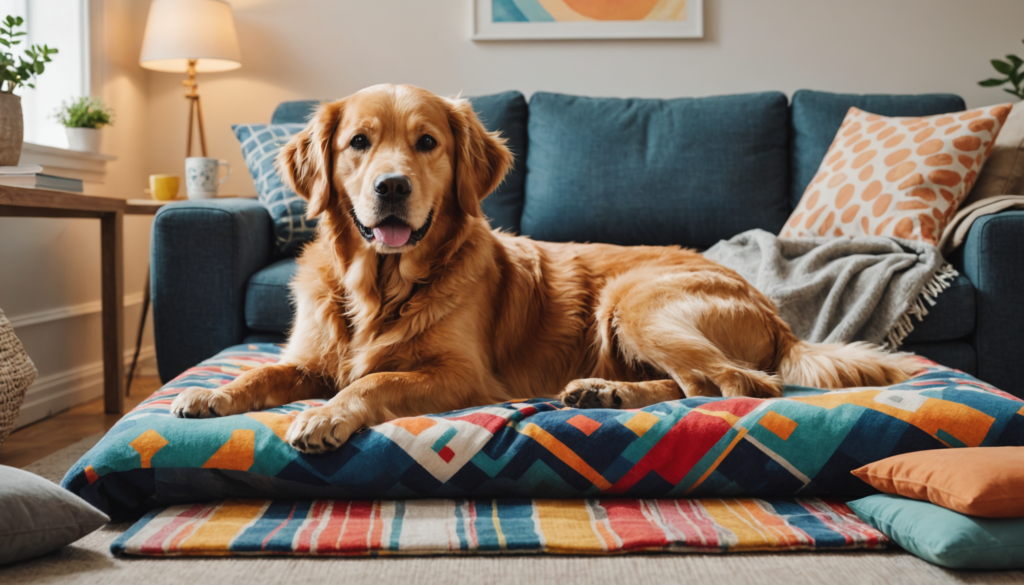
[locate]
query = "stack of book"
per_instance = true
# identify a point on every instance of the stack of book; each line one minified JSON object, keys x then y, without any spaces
{"x":33,"y":176}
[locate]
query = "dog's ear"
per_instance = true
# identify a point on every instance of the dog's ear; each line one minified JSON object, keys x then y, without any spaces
{"x":305,"y":162}
{"x":481,"y":157}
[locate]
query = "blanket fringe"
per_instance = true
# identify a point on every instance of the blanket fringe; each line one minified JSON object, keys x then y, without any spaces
{"x":905,"y":325}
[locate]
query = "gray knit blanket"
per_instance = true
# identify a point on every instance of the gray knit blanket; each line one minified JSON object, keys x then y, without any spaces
{"x":841,"y":289}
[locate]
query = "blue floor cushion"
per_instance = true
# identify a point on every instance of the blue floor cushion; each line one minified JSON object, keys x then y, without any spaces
{"x":805,"y":443}
{"x":945,"y":537}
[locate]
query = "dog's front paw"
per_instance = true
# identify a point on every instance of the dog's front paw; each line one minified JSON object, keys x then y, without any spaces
{"x":202,"y":403}
{"x":591,"y":393}
{"x":321,"y":429}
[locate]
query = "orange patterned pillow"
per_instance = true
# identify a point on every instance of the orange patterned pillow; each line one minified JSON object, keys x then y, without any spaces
{"x":902,"y":177}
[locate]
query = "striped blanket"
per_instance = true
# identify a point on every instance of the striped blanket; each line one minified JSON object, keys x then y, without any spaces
{"x":430,"y":527}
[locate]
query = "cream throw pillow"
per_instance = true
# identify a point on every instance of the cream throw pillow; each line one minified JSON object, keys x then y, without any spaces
{"x":1000,"y":184}
{"x":902,"y":177}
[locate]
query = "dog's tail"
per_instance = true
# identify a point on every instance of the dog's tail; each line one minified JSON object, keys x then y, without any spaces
{"x":835,"y":365}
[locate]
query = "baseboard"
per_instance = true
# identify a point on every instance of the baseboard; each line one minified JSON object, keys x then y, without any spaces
{"x":67,"y":312}
{"x":55,"y":393}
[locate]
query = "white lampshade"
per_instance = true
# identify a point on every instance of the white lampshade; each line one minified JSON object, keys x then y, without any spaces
{"x":179,"y":30}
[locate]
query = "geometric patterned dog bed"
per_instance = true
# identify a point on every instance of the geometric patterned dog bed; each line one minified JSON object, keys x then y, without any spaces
{"x":804,"y":444}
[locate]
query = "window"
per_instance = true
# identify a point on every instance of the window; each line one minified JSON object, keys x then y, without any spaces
{"x":63,"y":24}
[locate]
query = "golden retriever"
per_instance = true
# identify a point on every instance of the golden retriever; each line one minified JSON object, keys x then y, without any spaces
{"x":408,"y":303}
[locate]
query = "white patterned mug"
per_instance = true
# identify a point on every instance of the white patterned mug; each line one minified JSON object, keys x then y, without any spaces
{"x":201,"y":176}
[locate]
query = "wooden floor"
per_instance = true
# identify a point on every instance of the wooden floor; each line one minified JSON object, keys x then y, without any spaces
{"x":37,"y":440}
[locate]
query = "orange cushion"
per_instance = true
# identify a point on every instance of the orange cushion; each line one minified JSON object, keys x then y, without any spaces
{"x":902,"y":177}
{"x":979,"y":481}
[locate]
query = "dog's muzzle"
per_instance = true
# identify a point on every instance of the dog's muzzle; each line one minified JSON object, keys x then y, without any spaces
{"x":377,"y":233}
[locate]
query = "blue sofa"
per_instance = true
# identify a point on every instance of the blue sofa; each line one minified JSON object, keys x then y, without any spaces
{"x":637,"y":171}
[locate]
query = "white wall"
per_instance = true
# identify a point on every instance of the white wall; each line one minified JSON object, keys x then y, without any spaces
{"x":298,"y":49}
{"x":50,"y":268}
{"x":301,"y":49}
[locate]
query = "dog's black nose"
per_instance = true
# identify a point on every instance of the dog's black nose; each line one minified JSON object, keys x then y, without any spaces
{"x":392,"y":186}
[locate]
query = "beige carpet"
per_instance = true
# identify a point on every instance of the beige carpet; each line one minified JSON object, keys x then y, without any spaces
{"x":89,"y":561}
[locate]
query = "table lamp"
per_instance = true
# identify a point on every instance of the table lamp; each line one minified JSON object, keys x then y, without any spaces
{"x":190,"y":36}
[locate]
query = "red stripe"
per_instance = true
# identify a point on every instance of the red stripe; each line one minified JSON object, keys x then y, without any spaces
{"x":306,"y":535}
{"x":355,"y":536}
{"x":328,"y":539}
{"x":632,"y":526}
{"x":678,"y":451}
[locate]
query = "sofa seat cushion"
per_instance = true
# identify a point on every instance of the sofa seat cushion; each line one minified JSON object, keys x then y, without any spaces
{"x":952,"y":317}
{"x":805,"y":443}
{"x":656,"y":172}
{"x":817,"y":116}
{"x":958,"y":355}
{"x":268,"y":305}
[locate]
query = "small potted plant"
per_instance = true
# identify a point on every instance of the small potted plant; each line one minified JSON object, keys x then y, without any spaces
{"x":82,"y":119}
{"x":14,"y":74}
{"x":1011,"y":74}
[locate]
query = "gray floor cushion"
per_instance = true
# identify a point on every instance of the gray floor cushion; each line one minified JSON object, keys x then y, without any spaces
{"x":37,"y":516}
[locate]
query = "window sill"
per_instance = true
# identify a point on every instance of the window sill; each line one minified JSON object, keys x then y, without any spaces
{"x":90,"y":167}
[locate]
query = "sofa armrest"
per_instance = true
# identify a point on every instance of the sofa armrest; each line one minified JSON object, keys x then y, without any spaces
{"x":203,"y":254}
{"x":993,"y":259}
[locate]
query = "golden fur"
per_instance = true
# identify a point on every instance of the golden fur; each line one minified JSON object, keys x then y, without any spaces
{"x":467,"y":316}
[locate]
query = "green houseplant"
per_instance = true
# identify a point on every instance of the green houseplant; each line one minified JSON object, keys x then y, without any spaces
{"x":15,"y":73}
{"x":1011,"y":74}
{"x":82,"y":119}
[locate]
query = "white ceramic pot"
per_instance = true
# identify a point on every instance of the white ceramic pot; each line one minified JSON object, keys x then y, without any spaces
{"x":12,"y":129}
{"x":84,"y":139}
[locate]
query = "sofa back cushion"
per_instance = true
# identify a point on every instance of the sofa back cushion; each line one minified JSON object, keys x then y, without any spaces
{"x":649,"y":171}
{"x":817,"y":116}
{"x":505,"y":112}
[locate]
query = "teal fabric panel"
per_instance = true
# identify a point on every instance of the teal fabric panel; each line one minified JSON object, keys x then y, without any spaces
{"x":959,"y":355}
{"x":993,"y":258}
{"x":649,"y":171}
{"x":202,"y":255}
{"x":297,"y":112}
{"x":945,"y":537}
{"x":505,"y":112}
{"x":817,"y":116}
{"x":952,"y":316}
{"x":268,"y":302}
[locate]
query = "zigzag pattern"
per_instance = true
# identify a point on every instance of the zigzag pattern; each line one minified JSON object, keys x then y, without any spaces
{"x":803,"y":444}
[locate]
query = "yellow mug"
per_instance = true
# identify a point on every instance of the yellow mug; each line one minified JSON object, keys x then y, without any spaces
{"x":164,"y":187}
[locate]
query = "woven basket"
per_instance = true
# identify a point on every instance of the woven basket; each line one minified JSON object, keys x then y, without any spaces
{"x":17,"y":372}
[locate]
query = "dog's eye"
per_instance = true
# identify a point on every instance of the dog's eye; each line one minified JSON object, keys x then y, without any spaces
{"x":426,"y":143}
{"x":359,"y":142}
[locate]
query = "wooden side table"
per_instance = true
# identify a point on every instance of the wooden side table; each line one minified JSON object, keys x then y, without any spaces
{"x":29,"y":202}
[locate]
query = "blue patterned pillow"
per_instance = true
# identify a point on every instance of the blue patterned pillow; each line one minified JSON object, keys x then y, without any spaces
{"x":260,"y":145}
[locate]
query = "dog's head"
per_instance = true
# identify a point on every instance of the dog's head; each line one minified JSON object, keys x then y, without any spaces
{"x":392,"y":160}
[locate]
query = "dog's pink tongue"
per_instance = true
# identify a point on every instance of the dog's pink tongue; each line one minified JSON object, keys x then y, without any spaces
{"x":394,"y":235}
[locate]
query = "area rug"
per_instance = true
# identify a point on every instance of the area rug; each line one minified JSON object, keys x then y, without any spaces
{"x":517,"y":526}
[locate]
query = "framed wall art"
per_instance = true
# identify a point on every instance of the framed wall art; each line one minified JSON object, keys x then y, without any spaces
{"x":497,"y":20}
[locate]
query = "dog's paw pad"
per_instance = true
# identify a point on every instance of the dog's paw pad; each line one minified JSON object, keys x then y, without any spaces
{"x":318,"y":430}
{"x":591,"y":393}
{"x":201,"y":403}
